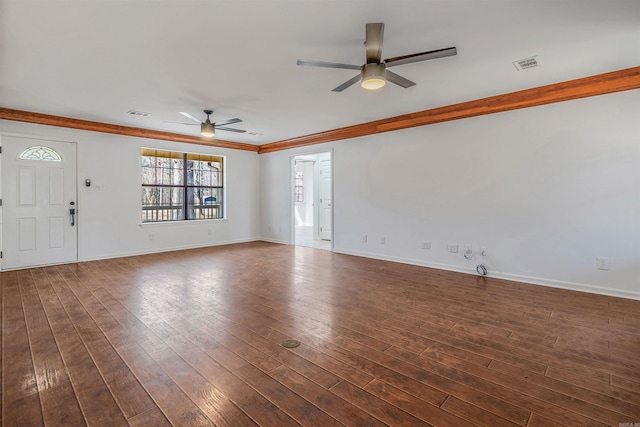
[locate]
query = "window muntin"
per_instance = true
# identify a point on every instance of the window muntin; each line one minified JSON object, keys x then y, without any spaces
{"x":299,"y":187}
{"x":40,"y":153}
{"x":181,"y":186}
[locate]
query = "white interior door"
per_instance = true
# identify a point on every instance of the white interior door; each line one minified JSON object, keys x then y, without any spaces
{"x":324,"y":188}
{"x":39,"y":189}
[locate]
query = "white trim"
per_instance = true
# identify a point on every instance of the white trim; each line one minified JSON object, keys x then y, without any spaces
{"x":161,"y":250}
{"x":315,"y":157}
{"x":620,"y":293}
{"x":181,"y":222}
{"x":280,"y":242}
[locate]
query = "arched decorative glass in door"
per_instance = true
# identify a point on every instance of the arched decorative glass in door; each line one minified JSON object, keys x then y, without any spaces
{"x":40,"y":152}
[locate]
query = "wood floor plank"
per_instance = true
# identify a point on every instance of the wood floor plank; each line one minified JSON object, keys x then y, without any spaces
{"x":59,"y":403}
{"x":335,"y":366}
{"x":171,"y":400}
{"x":97,"y":403}
{"x":625,"y":383}
{"x":295,"y":406}
{"x":416,"y":382}
{"x":474,"y":414}
{"x":123,"y":385}
{"x":376,"y":406}
{"x":216,"y":371}
{"x":211,"y":401}
{"x":433,"y":415}
{"x":152,"y":417}
{"x":615,"y":405}
{"x":332,"y":404}
{"x":20,"y":398}
{"x":195,"y":337}
{"x":285,"y":356}
{"x":526,"y":394}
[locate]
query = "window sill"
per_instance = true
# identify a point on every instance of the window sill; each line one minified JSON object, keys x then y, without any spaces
{"x":183,"y":222}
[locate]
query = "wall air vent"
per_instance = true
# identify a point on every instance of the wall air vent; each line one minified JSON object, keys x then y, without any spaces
{"x":526,"y":63}
{"x":138,"y":113}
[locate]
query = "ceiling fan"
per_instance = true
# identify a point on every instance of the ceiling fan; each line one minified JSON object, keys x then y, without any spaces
{"x":374,"y":74}
{"x":208,"y":128}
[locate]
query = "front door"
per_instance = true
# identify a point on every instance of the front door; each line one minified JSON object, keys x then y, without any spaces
{"x":39,"y":191}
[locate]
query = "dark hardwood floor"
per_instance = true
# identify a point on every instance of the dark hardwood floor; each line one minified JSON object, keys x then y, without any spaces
{"x":195,"y":338}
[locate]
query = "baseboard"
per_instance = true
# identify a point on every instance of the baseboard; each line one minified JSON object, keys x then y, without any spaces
{"x":581,"y":287}
{"x":160,"y":250}
{"x":280,"y":242}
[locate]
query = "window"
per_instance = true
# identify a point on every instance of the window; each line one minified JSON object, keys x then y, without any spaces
{"x":299,"y":187}
{"x":40,"y":152}
{"x":181,"y":186}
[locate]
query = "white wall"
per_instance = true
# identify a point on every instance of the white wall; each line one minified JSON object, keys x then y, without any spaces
{"x":109,"y":219}
{"x":545,"y":189}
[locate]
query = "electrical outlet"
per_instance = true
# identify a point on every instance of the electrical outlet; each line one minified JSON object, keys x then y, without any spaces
{"x":152,"y":236}
{"x":426,"y":245}
{"x":364,"y":238}
{"x":452,"y":247}
{"x":483,"y":251}
{"x":468,"y":248}
{"x":383,"y":240}
{"x":209,"y":231}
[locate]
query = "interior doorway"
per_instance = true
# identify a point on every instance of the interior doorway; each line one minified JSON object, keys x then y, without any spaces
{"x":313,"y":200}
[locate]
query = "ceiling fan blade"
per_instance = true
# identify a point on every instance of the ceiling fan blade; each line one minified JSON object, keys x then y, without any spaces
{"x":399,"y":80}
{"x":373,"y":42}
{"x":227,"y":122}
{"x":348,"y":83}
{"x":179,"y":123}
{"x":423,"y":56}
{"x":230,"y":129}
{"x":189,"y":116}
{"x":327,"y":64}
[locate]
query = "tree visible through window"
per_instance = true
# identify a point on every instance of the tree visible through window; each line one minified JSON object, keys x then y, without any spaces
{"x":181,"y":186}
{"x":299,"y":187}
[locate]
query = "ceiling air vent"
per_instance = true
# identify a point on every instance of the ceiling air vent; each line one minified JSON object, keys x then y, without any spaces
{"x":138,"y":113}
{"x":526,"y":63}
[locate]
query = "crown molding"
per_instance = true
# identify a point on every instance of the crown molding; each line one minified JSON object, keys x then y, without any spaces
{"x":600,"y":84}
{"x":616,"y":81}
{"x":66,"y":122}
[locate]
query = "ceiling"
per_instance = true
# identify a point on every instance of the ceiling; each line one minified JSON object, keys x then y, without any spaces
{"x":97,"y":59}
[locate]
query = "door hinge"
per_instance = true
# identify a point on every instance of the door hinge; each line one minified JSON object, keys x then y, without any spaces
{"x":0,"y":202}
{"x":0,"y":254}
{"x":0,"y":149}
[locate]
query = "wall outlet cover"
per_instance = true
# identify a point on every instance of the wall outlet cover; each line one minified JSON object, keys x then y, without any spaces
{"x":603,"y":263}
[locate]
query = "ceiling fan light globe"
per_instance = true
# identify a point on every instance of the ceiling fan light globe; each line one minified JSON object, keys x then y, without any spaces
{"x":207,"y":130}
{"x":372,"y":83}
{"x":373,"y":76}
